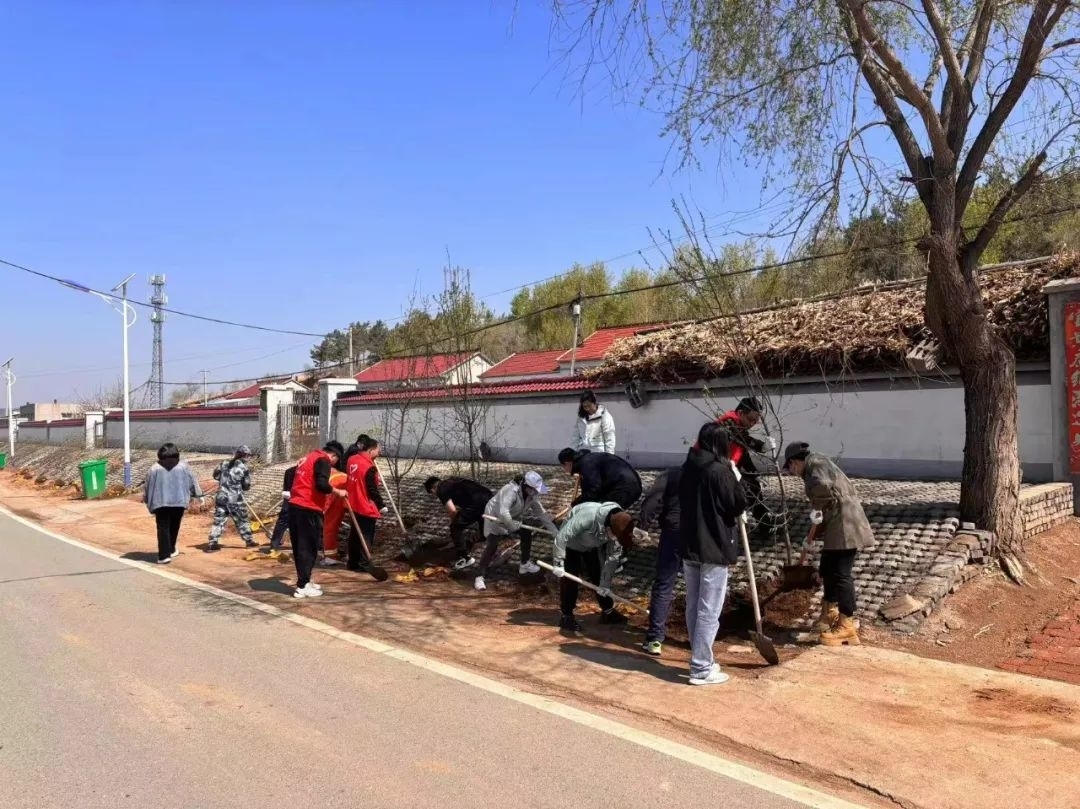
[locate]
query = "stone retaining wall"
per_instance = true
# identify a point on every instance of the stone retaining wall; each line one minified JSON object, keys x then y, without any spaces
{"x":1043,"y":507}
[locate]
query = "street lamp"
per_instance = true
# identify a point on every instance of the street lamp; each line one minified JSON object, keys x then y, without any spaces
{"x":12,"y":422}
{"x":124,"y":309}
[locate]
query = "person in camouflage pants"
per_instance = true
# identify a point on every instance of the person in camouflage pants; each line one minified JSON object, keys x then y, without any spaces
{"x":234,"y":478}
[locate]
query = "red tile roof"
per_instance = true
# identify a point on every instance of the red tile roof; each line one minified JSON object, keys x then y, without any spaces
{"x":525,"y":363}
{"x":251,"y":391}
{"x":412,"y":368}
{"x":557,"y":384}
{"x":597,"y":344}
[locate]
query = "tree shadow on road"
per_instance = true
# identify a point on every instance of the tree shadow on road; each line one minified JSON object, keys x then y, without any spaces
{"x":623,"y":660}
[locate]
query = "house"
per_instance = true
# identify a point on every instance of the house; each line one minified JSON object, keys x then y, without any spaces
{"x":594,"y":348}
{"x":424,"y":371}
{"x":250,"y":396}
{"x":48,"y":411}
{"x":524,"y":365}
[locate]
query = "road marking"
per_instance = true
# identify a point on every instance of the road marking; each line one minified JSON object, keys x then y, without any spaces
{"x":689,"y":755}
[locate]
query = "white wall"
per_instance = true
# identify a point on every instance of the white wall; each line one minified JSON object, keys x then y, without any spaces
{"x":876,"y":427}
{"x":67,"y":434}
{"x":468,"y":371}
{"x":206,"y":434}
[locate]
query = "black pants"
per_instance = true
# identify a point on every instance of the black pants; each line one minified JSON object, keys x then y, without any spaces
{"x":358,"y":560}
{"x":492,"y":547}
{"x":280,"y":527}
{"x":305,"y":529}
{"x":751,"y":484}
{"x":168,"y":529}
{"x":587,"y":565}
{"x":625,"y":494}
{"x":839,"y":583}
{"x":459,"y":524}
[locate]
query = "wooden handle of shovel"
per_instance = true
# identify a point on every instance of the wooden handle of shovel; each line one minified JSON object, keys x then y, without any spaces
{"x":593,"y":587}
{"x":390,"y":497}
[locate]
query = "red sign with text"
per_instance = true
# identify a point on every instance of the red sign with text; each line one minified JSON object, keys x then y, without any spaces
{"x":1072,"y":382}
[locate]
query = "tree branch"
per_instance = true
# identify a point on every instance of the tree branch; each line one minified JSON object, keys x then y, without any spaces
{"x":973,"y":250}
{"x":1045,"y":15}
{"x":956,"y":90}
{"x":943,"y":154}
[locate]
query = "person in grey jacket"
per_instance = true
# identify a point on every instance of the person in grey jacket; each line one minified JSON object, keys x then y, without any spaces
{"x":589,"y":545}
{"x":170,"y":488}
{"x":595,"y":428}
{"x":840,"y":523}
{"x":514,"y":503}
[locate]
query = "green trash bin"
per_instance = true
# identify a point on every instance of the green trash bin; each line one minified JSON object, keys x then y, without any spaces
{"x":93,"y":477}
{"x":3,"y":459}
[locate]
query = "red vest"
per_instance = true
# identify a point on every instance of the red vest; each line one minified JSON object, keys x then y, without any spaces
{"x":304,"y":494}
{"x":731,"y":419}
{"x":359,"y":499}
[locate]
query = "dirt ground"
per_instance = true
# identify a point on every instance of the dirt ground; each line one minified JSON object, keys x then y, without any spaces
{"x":990,"y":619}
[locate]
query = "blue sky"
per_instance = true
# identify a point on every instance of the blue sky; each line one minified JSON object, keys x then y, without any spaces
{"x":300,"y":165}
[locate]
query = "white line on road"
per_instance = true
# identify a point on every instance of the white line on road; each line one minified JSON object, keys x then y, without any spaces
{"x":706,"y":761}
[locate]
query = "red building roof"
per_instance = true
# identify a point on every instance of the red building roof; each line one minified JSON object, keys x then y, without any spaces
{"x":558,"y":384}
{"x":413,"y":369}
{"x":597,"y":344}
{"x":253,"y":390}
{"x":525,"y":363}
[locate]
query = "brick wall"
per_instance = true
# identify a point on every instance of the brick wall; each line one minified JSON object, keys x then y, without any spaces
{"x":1043,"y":507}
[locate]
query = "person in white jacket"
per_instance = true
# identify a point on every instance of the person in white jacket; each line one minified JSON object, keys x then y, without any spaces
{"x":595,"y":428}
{"x":516,"y":502}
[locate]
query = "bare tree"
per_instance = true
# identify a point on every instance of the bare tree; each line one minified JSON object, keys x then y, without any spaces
{"x":102,"y":397}
{"x":807,"y":88}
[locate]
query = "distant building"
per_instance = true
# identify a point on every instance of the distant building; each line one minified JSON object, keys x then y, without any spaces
{"x":49,"y":411}
{"x":424,"y":371}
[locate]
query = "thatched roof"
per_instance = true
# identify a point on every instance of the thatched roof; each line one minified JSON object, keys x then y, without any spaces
{"x":871,"y":328}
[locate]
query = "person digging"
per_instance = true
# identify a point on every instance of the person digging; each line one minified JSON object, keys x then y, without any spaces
{"x":738,"y":423}
{"x":589,"y":545}
{"x":234,"y":478}
{"x":838,"y":519}
{"x":465,"y":501}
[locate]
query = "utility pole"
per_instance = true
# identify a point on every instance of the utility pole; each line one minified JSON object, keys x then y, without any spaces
{"x":352,"y":356}
{"x":13,"y":423}
{"x":575,"y":310}
{"x":123,"y":287}
{"x":158,"y":300}
{"x":204,"y":397}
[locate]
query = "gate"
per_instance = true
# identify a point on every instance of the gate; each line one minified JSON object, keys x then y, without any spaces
{"x":298,"y":425}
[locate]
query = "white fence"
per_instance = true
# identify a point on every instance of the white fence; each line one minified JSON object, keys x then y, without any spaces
{"x":878,"y":426}
{"x":215,"y":429}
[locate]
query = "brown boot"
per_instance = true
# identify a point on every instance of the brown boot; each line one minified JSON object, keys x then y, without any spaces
{"x":830,"y":614}
{"x":845,"y":632}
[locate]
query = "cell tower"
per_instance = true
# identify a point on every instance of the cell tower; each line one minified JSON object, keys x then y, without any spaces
{"x":158,"y":300}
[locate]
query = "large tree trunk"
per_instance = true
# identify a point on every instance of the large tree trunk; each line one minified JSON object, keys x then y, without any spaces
{"x":955,"y":312}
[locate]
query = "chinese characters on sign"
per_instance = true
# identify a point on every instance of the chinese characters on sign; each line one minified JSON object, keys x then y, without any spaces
{"x":1072,"y":382}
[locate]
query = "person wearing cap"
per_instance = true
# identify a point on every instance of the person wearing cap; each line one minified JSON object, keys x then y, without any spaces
{"x":515,"y":503}
{"x":589,"y":545}
{"x":840,"y":523}
{"x":602,"y":477}
{"x":307,"y":501}
{"x":739,"y":422}
{"x":465,"y":501}
{"x":711,"y":503}
{"x":234,"y":478}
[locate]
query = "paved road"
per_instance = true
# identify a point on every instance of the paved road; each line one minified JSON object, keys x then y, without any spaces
{"x":119,"y":688}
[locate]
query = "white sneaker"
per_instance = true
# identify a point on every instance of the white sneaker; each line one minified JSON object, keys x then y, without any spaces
{"x":464,"y":563}
{"x":479,"y":583}
{"x":174,"y":554}
{"x":165,"y":561}
{"x":313,"y":590}
{"x":528,"y":568}
{"x":715,"y":677}
{"x":329,"y":561}
{"x":300,"y":593}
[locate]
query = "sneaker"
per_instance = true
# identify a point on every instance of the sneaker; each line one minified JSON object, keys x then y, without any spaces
{"x":715,"y":677}
{"x":652,"y":647}
{"x":213,"y":546}
{"x":313,"y":590}
{"x":464,"y":563}
{"x":164,"y":561}
{"x":313,"y":586}
{"x":569,"y":625}
{"x":479,"y":583}
{"x":174,"y":554}
{"x":328,"y":561}
{"x":528,"y":568}
{"x":298,"y":593}
{"x":612,"y":616}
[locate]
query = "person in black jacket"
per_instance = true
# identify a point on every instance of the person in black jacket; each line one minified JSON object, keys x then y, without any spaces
{"x":711,"y":503}
{"x":465,"y":501}
{"x":282,"y":524}
{"x":603,"y":478}
{"x":662,"y":504}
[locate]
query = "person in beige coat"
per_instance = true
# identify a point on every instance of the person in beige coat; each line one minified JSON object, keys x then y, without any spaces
{"x":841,"y":525}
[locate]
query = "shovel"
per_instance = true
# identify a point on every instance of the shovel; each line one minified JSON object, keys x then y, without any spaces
{"x":261,"y":524}
{"x":504,"y":554}
{"x":410,"y":548}
{"x":800,"y":576}
{"x":761,"y":640}
{"x":594,"y":588}
{"x":377,"y":573}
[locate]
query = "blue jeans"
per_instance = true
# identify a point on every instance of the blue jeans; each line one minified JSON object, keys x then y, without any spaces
{"x":706,"y":589}
{"x":668,"y":565}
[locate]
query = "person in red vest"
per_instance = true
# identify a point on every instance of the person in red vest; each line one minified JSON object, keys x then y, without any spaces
{"x":307,"y":502}
{"x":333,"y":517}
{"x":364,"y":499}
{"x":738,"y":423}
